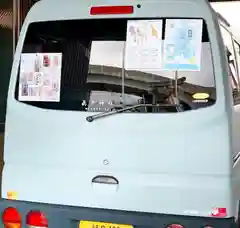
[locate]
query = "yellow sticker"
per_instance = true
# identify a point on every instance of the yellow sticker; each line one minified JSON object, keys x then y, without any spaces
{"x":12,"y":195}
{"x":200,"y":96}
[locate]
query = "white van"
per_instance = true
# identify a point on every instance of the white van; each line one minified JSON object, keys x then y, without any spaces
{"x":103,"y":133}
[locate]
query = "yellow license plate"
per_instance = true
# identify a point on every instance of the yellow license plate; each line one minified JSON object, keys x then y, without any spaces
{"x":91,"y":224}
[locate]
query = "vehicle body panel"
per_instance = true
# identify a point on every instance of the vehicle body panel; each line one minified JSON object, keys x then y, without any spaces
{"x":168,"y":163}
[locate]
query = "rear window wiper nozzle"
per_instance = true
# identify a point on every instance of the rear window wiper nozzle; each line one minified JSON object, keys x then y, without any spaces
{"x":112,"y":112}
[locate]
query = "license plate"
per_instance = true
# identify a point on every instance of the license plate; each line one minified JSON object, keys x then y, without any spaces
{"x":91,"y":224}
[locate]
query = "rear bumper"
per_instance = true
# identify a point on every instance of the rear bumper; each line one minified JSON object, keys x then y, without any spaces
{"x":69,"y":217}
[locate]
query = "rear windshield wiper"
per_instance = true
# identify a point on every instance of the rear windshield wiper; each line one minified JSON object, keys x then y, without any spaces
{"x":109,"y":113}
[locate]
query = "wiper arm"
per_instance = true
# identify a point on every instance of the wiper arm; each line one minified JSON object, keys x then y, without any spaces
{"x":109,"y":113}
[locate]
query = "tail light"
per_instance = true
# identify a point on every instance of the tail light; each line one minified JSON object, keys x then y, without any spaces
{"x":106,"y":10}
{"x":175,"y":226}
{"x":36,"y":219}
{"x":11,"y":218}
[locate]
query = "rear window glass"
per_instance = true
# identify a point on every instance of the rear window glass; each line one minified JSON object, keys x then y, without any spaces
{"x":95,"y":77}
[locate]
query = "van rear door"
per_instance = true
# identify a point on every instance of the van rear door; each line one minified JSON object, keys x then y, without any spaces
{"x":125,"y":161}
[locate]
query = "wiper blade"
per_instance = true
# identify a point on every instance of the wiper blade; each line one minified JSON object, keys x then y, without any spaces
{"x":109,"y":113}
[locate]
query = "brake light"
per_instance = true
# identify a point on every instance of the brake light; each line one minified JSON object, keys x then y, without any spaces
{"x":11,"y":218}
{"x":106,"y":10}
{"x":219,"y":212}
{"x":36,"y":219}
{"x":175,"y":226}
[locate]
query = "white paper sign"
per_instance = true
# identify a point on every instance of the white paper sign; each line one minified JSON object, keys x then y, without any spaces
{"x":40,"y":77}
{"x":143,"y":45}
{"x":182,"y":45}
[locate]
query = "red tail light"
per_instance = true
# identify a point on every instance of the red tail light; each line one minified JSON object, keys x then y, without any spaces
{"x":175,"y":226}
{"x":105,"y":10}
{"x":36,"y":219}
{"x":11,"y":218}
{"x":219,"y":212}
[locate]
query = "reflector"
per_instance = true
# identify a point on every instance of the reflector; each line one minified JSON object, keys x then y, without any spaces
{"x":219,"y":212}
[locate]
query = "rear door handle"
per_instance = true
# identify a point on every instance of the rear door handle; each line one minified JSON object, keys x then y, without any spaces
{"x":104,"y":179}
